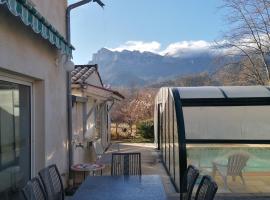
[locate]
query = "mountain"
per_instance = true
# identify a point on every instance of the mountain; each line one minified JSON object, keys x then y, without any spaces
{"x":232,"y":74}
{"x":134,"y":68}
{"x":200,"y":79}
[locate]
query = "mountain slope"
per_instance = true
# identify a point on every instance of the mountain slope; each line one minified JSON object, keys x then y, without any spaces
{"x":130,"y":68}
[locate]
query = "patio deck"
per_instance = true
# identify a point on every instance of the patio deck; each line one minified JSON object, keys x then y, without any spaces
{"x":151,"y":165}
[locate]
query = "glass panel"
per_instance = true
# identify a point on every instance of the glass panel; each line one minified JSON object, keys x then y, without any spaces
{"x":200,"y":92}
{"x":171,"y":132}
{"x":247,"y":91}
{"x":176,"y":153}
{"x":162,"y":138}
{"x":237,"y":168}
{"x":167,"y":137}
{"x":231,"y":123}
{"x":14,"y":138}
{"x":217,"y":92}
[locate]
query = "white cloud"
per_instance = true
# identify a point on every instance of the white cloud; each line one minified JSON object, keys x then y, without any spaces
{"x":177,"y":49}
{"x":186,"y":47}
{"x":139,"y":46}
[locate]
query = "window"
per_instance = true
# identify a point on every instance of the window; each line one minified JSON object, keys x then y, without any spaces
{"x":15,"y":134}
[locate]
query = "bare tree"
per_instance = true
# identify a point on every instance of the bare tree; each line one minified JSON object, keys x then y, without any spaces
{"x":249,"y":36}
{"x":137,"y":106}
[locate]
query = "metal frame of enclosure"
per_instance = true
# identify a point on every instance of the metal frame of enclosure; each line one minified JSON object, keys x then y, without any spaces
{"x":199,"y":125}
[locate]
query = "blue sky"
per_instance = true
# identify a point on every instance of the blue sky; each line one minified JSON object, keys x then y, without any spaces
{"x":150,"y":24}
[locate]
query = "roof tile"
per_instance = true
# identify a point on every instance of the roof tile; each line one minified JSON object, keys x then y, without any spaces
{"x":82,"y":72}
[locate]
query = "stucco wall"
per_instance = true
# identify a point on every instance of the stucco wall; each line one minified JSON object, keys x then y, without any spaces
{"x":83,"y":153}
{"x":28,"y":55}
{"x":54,"y":11}
{"x":93,"y":131}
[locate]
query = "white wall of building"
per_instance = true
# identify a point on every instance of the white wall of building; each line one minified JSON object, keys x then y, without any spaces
{"x":96,"y":125}
{"x":27,"y":55}
{"x":54,"y":11}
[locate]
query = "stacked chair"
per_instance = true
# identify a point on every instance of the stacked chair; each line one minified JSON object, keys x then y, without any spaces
{"x":33,"y":190}
{"x":206,"y":189}
{"x":52,"y":182}
{"x":190,"y":178}
{"x":48,"y":186}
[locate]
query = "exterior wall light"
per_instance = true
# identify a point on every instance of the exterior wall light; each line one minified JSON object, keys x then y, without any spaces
{"x":69,"y":65}
{"x":63,"y":60}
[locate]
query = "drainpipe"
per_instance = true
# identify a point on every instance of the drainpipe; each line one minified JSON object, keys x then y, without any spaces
{"x":69,"y":94}
{"x":75,"y":5}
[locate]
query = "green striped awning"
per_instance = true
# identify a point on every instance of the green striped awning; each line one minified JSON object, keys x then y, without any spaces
{"x":31,"y":17}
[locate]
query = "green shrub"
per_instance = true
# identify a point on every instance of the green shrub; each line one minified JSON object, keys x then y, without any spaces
{"x":146,"y":129}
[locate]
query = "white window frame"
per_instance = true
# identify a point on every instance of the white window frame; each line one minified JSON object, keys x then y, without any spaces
{"x":27,"y":82}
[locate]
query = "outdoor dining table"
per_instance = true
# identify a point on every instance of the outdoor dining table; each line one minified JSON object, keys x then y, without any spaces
{"x":146,"y":187}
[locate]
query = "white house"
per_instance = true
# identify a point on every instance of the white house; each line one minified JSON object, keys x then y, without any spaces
{"x":92,"y":103}
{"x":33,"y":91}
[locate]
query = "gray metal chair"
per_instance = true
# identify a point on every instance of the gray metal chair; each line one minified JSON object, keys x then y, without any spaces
{"x":207,"y":189}
{"x":33,"y":190}
{"x":190,"y":178}
{"x":127,"y":164}
{"x":52,"y":182}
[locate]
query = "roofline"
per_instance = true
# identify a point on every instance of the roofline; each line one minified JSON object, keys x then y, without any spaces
{"x":95,"y":65}
{"x":113,"y":92}
{"x":108,"y":90}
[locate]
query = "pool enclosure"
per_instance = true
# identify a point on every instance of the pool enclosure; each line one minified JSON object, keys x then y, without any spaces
{"x":223,"y":131}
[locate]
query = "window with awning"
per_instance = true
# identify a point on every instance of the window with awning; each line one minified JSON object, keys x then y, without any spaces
{"x":32,"y":18}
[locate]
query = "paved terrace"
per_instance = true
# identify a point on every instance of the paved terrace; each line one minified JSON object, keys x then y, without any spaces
{"x":151,"y":165}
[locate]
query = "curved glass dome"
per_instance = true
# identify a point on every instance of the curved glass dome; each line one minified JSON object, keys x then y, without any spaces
{"x":204,"y":126}
{"x":210,"y":92}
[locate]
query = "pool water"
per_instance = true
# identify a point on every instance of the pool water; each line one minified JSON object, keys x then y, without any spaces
{"x":202,"y":157}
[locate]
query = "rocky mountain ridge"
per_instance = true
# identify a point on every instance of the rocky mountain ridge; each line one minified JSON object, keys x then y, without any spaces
{"x":134,"y":68}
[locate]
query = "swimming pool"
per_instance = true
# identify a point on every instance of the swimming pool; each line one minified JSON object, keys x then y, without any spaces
{"x":203,"y":156}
